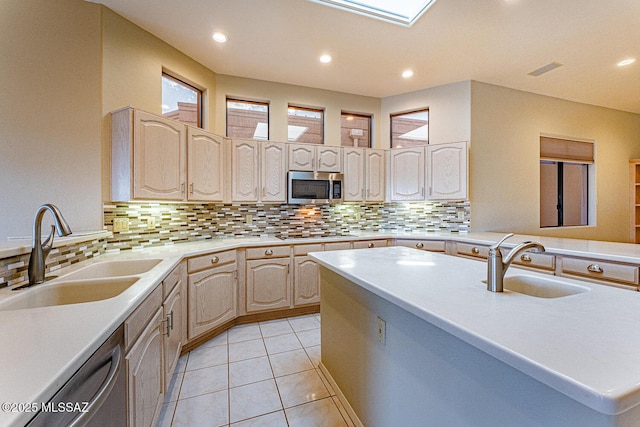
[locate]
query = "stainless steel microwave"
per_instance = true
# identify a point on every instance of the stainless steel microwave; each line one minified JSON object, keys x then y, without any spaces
{"x":315,"y":187}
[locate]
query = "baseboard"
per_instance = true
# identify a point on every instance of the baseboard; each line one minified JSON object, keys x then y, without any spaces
{"x":345,"y":403}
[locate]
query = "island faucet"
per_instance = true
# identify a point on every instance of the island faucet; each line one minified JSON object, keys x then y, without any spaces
{"x":40,"y":249}
{"x":496,"y":267}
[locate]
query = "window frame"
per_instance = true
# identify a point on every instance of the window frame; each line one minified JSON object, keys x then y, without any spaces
{"x":312,"y":109}
{"x":247,"y":101}
{"x":418,"y":110}
{"x":369,"y":131}
{"x":199,"y":94}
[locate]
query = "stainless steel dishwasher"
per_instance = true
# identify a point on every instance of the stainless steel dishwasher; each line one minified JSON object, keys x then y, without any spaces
{"x":95,"y":395}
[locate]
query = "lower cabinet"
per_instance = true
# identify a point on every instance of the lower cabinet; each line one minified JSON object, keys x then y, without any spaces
{"x":212,"y":298}
{"x":306,"y":273}
{"x":174,"y":325}
{"x":268,"y":284}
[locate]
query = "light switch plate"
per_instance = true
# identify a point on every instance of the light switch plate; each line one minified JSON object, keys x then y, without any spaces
{"x":120,"y":225}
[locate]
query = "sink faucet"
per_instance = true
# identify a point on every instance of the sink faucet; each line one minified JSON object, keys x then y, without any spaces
{"x":496,"y":267}
{"x":40,"y":250}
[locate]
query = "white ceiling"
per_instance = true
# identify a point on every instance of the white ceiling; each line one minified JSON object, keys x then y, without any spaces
{"x":492,"y":41}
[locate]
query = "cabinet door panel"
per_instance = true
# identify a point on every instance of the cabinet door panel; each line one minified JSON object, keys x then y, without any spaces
{"x":244,"y":166}
{"x":212,"y":298}
{"x":205,"y":153}
{"x":268,"y":284}
{"x":274,"y":172}
{"x":407,"y":174}
{"x":306,"y":289}
{"x":375,"y":177}
{"x":354,"y":174}
{"x":145,"y":375}
{"x":301,"y":157}
{"x":447,"y":171}
{"x":175,"y":317}
{"x":158,"y":157}
{"x":329,"y":159}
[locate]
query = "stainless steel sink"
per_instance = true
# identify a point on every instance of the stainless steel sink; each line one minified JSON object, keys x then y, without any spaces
{"x":107,"y":269}
{"x":67,"y":292}
{"x":542,"y":287}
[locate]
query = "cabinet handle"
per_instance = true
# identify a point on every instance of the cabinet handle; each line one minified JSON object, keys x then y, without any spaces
{"x":362,"y":193}
{"x":191,"y":188}
{"x":182,"y":188}
{"x":525,"y":258}
{"x":263,"y":191}
{"x":215,"y":259}
{"x":595,"y":268}
{"x":475,"y":251}
{"x":169,"y":323}
{"x":268,"y":252}
{"x":419,"y":245}
{"x":422,"y":191}
{"x":370,"y":245}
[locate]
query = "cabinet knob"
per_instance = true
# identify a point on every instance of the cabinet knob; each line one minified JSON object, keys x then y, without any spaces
{"x":419,"y":245}
{"x":475,"y":251}
{"x":215,"y":260}
{"x":595,"y":268}
{"x":525,"y":258}
{"x":268,"y":252}
{"x":370,"y":245}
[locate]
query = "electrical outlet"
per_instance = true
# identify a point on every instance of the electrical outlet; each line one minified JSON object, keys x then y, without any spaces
{"x":151,"y":222}
{"x":120,"y":225}
{"x":357,"y":215}
{"x":382,"y":330}
{"x":249,"y":219}
{"x":461,"y":215}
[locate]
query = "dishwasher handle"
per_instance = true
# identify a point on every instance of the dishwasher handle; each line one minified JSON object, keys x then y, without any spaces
{"x":102,"y":394}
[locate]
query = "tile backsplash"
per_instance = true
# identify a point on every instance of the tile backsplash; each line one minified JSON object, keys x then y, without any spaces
{"x":156,"y":224}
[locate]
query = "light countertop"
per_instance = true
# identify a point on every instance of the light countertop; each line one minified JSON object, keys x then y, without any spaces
{"x":584,"y":345}
{"x":43,"y":347}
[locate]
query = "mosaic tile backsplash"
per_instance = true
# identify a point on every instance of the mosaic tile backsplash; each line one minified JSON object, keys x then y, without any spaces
{"x":173,"y":223}
{"x":156,"y":224}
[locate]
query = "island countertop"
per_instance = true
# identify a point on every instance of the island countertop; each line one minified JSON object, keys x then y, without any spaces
{"x":584,"y":345}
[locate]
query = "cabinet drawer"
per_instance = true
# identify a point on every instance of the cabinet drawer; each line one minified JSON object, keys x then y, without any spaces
{"x":268,"y":252}
{"x":337,"y":246}
{"x":535,"y":260}
{"x":172,"y":280}
{"x":210,"y":260}
{"x":466,"y":249}
{"x":621,"y":273}
{"x":369,"y":244}
{"x":136,"y":322}
{"x":305,"y":249}
{"x":425,"y":245}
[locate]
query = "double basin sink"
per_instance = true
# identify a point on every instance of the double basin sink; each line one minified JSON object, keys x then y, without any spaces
{"x":95,"y":282}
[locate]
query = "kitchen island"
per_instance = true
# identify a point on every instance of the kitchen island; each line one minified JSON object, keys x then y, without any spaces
{"x":414,"y":339}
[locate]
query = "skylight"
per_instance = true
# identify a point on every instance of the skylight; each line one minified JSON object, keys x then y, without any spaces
{"x":404,"y":12}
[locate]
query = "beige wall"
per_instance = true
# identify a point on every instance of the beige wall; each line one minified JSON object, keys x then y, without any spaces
{"x":280,"y":95}
{"x":50,"y":113}
{"x":505,"y":170}
{"x":449,"y":111}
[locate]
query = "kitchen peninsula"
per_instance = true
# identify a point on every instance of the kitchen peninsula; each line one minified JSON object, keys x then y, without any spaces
{"x":414,"y":338}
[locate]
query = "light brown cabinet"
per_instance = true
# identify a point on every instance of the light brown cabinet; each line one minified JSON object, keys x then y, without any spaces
{"x":273,"y":172}
{"x":268,"y":279}
{"x":361,"y":244}
{"x":634,"y":200}
{"x":174,"y":312}
{"x":406,"y":174}
{"x":205,"y":165}
{"x":423,"y":245}
{"x":213,"y":292}
{"x":313,"y":158}
{"x":244,"y":170}
{"x":447,"y":171}
{"x":306,"y":289}
{"x":364,"y":177}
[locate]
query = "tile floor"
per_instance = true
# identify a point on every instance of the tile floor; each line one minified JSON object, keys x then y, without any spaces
{"x":263,"y":374}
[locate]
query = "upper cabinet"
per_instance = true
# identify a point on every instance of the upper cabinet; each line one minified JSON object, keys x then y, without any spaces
{"x":443,"y":167}
{"x":447,"y":171}
{"x":152,"y":158}
{"x":258,"y":171}
{"x":315,"y":158}
{"x":364,"y":177}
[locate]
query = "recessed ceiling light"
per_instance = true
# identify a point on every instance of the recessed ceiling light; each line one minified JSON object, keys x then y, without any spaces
{"x":220,"y":37}
{"x":627,"y":61}
{"x":325,"y":59}
{"x":407,"y":73}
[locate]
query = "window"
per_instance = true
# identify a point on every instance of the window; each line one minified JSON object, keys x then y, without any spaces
{"x":247,"y":119}
{"x":355,"y":130}
{"x":181,"y":101}
{"x":306,"y":125}
{"x":410,"y":129}
{"x":565,"y":170}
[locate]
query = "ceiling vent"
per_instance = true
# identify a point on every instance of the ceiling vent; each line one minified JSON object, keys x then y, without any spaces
{"x":545,"y":69}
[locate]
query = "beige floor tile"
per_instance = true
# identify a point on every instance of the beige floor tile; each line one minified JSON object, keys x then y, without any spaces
{"x":252,"y":400}
{"x":217,"y":340}
{"x":282,"y":343}
{"x":166,"y":415}
{"x":309,"y":338}
{"x":249,"y":371}
{"x":304,"y":323}
{"x":343,"y":411}
{"x":203,"y":357}
{"x":174,"y":387}
{"x":207,"y":410}
{"x":181,"y":366}
{"x":275,"y":327}
{"x":290,"y":362}
{"x":296,"y":389}
{"x":314,"y":354}
{"x":246,"y":350}
{"x":274,"y":419}
{"x":320,"y":413}
{"x":244,"y":333}
{"x":206,"y":380}
{"x":326,"y":383}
